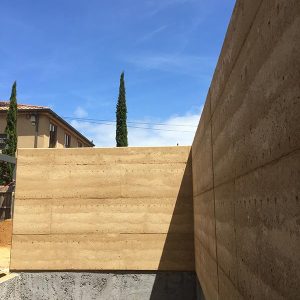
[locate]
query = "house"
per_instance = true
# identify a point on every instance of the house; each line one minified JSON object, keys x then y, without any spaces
{"x":41,"y":127}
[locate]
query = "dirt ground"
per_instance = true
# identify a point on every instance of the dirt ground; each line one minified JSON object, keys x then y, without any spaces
{"x":5,"y":243}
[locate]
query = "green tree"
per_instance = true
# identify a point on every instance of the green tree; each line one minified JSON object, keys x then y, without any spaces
{"x":12,"y":139}
{"x":121,"y":114}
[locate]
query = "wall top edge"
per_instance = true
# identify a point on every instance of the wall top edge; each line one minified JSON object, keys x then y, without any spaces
{"x":104,"y":148}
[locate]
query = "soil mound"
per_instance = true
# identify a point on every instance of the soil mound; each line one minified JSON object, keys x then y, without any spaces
{"x":5,"y":233}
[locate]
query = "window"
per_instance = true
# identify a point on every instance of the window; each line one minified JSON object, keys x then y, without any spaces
{"x":67,"y":140}
{"x":52,"y":136}
{"x":79,"y":144}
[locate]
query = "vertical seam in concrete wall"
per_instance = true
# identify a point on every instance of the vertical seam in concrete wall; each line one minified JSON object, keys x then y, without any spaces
{"x":12,"y":228}
{"x":212,"y":148}
{"x":122,"y":171}
{"x":50,"y":226}
{"x":214,"y":198}
{"x":234,"y":226}
{"x":237,"y":57}
{"x":193,"y":216}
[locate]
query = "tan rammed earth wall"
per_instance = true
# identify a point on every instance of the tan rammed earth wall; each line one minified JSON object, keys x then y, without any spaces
{"x":111,"y":209}
{"x":246,"y":159}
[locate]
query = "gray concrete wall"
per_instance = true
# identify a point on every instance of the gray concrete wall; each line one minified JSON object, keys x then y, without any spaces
{"x":102,"y":286}
{"x":246,"y":159}
{"x":10,"y":287}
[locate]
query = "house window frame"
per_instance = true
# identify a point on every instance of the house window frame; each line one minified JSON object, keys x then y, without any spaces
{"x":67,"y":140}
{"x":52,"y":128}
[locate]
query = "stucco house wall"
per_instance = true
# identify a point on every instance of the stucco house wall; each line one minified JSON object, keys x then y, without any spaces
{"x":26,"y":131}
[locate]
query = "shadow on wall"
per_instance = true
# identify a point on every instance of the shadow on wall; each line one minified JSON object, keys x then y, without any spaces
{"x":175,"y":278}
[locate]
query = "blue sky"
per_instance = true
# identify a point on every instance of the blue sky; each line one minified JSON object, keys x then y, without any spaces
{"x":69,"y":54}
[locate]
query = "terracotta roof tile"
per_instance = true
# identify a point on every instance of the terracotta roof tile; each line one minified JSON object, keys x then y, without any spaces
{"x":5,"y":104}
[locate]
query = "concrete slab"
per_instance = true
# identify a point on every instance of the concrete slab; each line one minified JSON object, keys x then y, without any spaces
{"x":100,"y":286}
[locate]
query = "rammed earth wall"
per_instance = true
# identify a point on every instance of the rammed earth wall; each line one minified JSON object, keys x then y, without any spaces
{"x":104,"y":209}
{"x":246,"y":159}
{"x":139,"y":208}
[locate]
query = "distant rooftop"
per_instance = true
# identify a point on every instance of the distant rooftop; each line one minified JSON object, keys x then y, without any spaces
{"x":5,"y":104}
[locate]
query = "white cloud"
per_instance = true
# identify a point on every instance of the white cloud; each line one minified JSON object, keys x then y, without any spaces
{"x":176,"y":129}
{"x":80,"y":112}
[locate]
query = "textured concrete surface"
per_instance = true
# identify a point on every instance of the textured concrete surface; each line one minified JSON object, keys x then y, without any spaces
{"x":102,"y":286}
{"x":246,"y":159}
{"x":10,"y":287}
{"x":104,"y":209}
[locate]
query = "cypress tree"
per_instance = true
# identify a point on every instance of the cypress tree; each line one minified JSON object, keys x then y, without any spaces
{"x":121,"y":114}
{"x":11,"y":131}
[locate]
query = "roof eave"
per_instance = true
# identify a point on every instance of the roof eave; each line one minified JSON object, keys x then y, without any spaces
{"x":55,"y":115}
